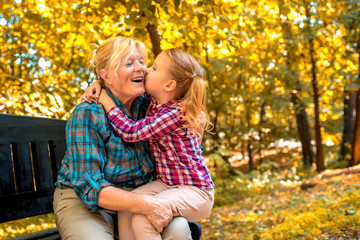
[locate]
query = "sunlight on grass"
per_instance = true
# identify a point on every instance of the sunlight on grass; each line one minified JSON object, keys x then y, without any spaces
{"x":271,"y":205}
{"x":26,"y":225}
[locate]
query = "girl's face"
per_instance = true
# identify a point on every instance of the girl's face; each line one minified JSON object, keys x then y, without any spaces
{"x":157,"y":76}
{"x":129,"y":81}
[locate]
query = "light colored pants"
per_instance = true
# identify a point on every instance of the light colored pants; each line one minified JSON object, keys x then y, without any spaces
{"x":76,"y":222}
{"x":192,"y":203}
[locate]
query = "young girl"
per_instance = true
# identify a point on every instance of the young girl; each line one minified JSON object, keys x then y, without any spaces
{"x":173,"y":126}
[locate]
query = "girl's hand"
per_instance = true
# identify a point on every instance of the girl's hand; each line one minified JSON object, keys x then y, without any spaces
{"x":106,"y":101}
{"x":92,"y":93}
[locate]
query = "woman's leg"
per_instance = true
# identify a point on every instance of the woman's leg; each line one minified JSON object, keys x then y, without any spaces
{"x":75,"y":222}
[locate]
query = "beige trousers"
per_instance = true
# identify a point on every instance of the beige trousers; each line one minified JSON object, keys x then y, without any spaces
{"x":192,"y":203}
{"x":76,"y":222}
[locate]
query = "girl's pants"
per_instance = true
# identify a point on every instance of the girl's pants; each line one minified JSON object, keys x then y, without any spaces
{"x":192,"y":203}
{"x":76,"y":222}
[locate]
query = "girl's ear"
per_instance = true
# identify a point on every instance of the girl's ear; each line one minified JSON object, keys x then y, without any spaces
{"x":170,"y":86}
{"x":105,"y":75}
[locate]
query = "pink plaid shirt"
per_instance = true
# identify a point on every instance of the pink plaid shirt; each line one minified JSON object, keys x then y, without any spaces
{"x":175,"y":148}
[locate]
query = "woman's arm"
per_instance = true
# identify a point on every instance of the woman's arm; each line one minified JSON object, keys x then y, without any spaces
{"x":158,"y":211}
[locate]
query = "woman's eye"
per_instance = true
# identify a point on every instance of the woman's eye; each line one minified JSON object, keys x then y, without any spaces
{"x":141,"y":62}
{"x":128,"y":64}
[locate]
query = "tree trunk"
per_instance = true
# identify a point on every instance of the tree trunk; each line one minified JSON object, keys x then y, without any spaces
{"x":356,"y":148}
{"x":299,"y":106}
{"x":320,"y":166}
{"x":251,"y":161}
{"x":348,"y":126}
{"x":155,"y":38}
{"x":303,"y":130}
{"x":261,"y":133}
{"x":249,"y":148}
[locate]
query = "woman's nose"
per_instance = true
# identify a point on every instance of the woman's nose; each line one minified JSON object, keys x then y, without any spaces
{"x":138,"y":66}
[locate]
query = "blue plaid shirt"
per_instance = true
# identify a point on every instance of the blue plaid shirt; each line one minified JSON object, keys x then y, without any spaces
{"x":96,"y":157}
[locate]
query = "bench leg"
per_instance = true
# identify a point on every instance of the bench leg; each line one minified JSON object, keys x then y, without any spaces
{"x":195,"y":229}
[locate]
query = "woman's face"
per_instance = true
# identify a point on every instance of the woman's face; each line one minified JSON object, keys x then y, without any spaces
{"x":129,"y":81}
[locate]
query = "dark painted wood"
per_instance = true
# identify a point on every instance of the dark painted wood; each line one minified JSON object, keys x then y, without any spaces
{"x":7,"y":183}
{"x":42,"y":165}
{"x":22,"y":167}
{"x":49,"y":234}
{"x":32,"y":147}
{"x":57,"y":149}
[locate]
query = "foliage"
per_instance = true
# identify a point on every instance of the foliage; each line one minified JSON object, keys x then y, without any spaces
{"x":46,"y":50}
{"x":256,"y":55}
{"x":273,"y":206}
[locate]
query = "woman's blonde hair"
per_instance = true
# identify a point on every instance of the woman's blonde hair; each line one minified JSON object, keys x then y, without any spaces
{"x":111,"y":53}
{"x":190,"y":86}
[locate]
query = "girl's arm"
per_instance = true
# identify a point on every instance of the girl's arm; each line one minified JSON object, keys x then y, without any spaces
{"x":106,"y":100}
{"x":92,"y":93}
{"x":162,"y":123}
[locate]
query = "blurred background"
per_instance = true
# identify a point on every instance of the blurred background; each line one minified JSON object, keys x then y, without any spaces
{"x":283,"y":76}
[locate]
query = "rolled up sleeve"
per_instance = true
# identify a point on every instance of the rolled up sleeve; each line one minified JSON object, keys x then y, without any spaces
{"x":87,"y":156}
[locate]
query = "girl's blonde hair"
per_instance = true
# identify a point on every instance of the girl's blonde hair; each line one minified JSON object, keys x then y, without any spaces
{"x":190,"y":86}
{"x":111,"y":53}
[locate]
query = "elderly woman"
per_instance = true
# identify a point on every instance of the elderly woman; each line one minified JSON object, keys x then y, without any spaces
{"x":99,"y":168}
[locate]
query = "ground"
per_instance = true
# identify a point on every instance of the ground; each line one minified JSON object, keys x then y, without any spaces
{"x":325,"y":206}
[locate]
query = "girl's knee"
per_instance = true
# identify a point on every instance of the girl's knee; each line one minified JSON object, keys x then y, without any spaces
{"x":178,"y":229}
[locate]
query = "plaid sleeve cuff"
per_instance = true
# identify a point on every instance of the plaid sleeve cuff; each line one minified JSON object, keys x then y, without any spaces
{"x":90,"y":192}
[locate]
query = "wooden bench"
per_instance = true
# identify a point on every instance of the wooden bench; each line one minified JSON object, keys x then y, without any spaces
{"x":31,"y":150}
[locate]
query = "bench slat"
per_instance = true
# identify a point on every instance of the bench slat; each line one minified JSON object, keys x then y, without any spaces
{"x":29,"y":129}
{"x":48,"y":234}
{"x":57,"y":149}
{"x":7,"y":184}
{"x":22,"y":166}
{"x":27,"y":204}
{"x":42,"y":165}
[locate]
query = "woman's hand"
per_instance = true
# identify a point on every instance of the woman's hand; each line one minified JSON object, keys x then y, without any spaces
{"x":92,"y":93}
{"x":159,"y":212}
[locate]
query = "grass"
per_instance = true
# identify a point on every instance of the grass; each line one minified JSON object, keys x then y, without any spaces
{"x":273,"y":206}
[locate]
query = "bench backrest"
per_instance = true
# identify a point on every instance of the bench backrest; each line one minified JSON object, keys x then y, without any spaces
{"x":31,"y":150}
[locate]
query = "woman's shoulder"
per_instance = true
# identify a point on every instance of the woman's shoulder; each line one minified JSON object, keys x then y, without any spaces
{"x":90,"y":110}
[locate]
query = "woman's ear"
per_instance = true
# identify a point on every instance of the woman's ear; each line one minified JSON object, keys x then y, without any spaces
{"x":105,"y":76}
{"x":170,"y":86}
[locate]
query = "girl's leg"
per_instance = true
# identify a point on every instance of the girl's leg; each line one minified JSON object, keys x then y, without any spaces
{"x":124,"y":225}
{"x":141,"y":226}
{"x":192,"y":203}
{"x":178,"y":228}
{"x":75,"y":222}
